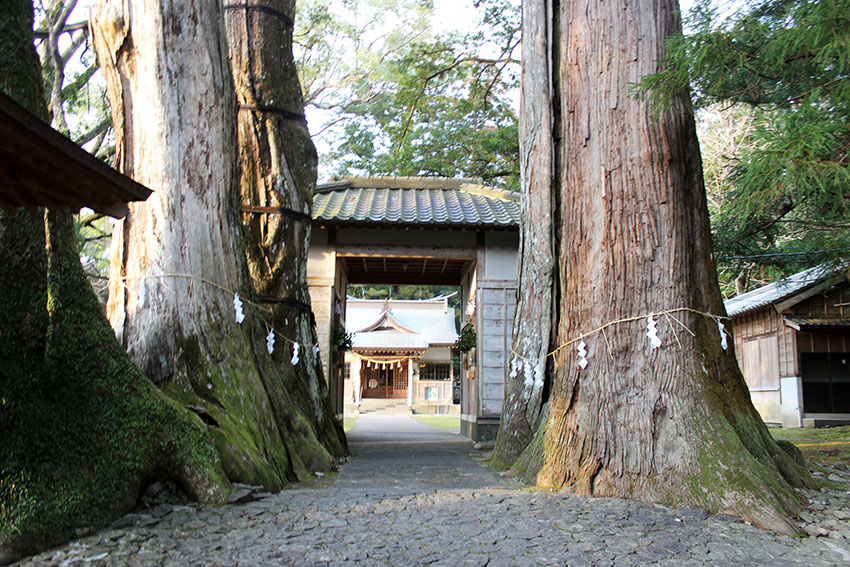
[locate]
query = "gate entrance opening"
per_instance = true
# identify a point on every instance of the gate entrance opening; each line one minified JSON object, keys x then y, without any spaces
{"x":423,"y":231}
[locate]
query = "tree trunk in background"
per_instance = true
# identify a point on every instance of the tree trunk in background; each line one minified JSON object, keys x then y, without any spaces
{"x":526,"y":386}
{"x":82,"y":429}
{"x":179,"y":257}
{"x":673,"y":424}
{"x":278,"y":171}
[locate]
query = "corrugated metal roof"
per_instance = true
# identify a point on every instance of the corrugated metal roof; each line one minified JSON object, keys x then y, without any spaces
{"x":775,"y":292}
{"x":413,"y":201}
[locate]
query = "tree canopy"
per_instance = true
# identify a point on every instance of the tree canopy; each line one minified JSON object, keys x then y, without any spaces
{"x":401,"y":98}
{"x":780,"y":69}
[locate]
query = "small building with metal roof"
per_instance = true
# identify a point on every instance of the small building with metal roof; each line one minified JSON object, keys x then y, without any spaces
{"x":422,"y":231}
{"x":792,"y":340}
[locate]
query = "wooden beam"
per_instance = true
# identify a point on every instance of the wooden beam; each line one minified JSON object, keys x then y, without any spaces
{"x":404,"y":279}
{"x":430,"y":252}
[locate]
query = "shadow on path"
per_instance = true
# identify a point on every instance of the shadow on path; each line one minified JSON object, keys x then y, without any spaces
{"x":397,"y":455}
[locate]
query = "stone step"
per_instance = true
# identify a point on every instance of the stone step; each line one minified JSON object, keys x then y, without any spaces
{"x":376,"y":405}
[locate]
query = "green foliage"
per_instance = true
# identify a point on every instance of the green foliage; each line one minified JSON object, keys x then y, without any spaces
{"x":341,"y":338}
{"x":76,"y":90}
{"x":467,"y":339}
{"x":784,"y":65}
{"x":94,"y":233}
{"x":413,"y":102}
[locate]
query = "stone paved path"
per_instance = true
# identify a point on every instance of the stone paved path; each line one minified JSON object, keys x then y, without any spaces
{"x":413,"y":496}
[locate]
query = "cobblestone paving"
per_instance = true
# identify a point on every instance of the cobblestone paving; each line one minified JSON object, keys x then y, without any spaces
{"x":420,"y":500}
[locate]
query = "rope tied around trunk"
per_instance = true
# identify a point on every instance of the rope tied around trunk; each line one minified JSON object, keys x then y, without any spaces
{"x":258,"y":305}
{"x":649,"y":317}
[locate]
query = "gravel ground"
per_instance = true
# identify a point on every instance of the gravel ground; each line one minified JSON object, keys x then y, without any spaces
{"x":414,"y":495}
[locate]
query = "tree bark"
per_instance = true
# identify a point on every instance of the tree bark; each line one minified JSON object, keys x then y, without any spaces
{"x":278,"y":163}
{"x":83,"y":430}
{"x":526,"y":386}
{"x":179,"y":257}
{"x":673,"y":424}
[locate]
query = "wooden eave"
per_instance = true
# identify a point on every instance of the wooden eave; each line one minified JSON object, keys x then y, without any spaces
{"x":39,"y":167}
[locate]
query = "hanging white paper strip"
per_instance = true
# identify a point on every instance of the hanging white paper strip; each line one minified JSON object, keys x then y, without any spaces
{"x":514,"y":367}
{"x":538,"y":375}
{"x":528,"y":373}
{"x":581,"y":351}
{"x":722,"y":328}
{"x":652,"y":332}
{"x":295,"y":348}
{"x":237,"y":305}
{"x":270,"y":341}
{"x":315,"y":353}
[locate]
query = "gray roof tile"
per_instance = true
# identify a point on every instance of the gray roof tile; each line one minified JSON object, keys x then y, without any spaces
{"x":415,"y":201}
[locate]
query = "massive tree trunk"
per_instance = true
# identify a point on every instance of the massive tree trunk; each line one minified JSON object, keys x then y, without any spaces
{"x":671,"y":424}
{"x":278,"y":174}
{"x":178,"y":259}
{"x":82,"y":429}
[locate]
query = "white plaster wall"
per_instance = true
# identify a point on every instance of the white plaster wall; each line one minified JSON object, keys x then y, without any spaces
{"x":437,"y":354}
{"x":791,"y":390}
{"x":321,"y":259}
{"x":501,"y":250}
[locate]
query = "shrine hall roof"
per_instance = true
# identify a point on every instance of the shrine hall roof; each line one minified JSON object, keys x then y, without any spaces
{"x":400,"y":324}
{"x":415,"y":201}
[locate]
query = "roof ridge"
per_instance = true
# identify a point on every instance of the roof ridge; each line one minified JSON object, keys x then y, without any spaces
{"x":397,"y":182}
{"x":487,"y":191}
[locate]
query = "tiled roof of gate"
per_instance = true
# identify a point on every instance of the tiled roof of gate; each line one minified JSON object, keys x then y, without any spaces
{"x":415,"y":201}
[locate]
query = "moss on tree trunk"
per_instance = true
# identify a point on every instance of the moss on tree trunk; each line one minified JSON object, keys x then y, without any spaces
{"x":83,"y":429}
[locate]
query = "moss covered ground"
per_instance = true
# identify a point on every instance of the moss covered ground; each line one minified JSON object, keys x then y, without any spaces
{"x":449,"y":423}
{"x":348,"y":423}
{"x":824,"y":446}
